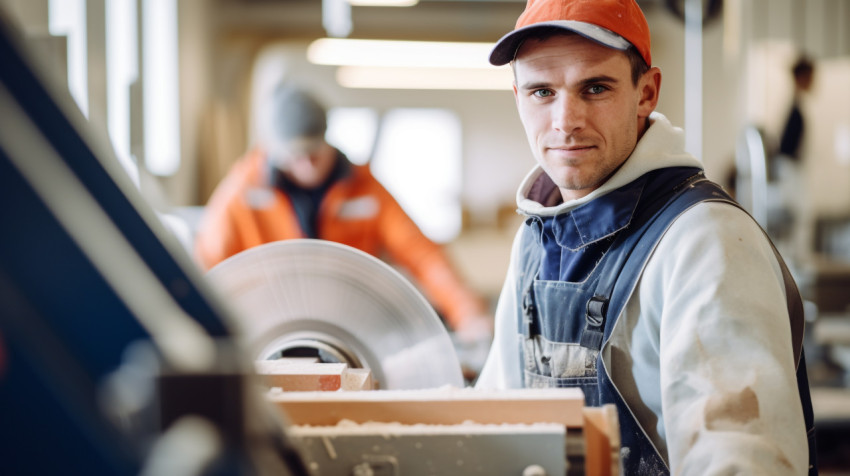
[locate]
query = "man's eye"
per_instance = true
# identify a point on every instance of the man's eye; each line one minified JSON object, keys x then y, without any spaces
{"x":542,"y":93}
{"x":597,"y":89}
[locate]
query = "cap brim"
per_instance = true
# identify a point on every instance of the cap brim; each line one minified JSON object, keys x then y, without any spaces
{"x":506,"y":48}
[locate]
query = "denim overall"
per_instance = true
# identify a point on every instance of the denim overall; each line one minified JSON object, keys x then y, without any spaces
{"x":578,"y":270}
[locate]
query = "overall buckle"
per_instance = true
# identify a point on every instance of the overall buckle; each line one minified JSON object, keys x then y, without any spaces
{"x":594,"y":328}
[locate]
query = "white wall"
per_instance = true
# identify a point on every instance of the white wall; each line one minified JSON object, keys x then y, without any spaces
{"x":825,"y":150}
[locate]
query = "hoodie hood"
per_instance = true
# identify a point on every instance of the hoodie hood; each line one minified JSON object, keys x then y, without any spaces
{"x":662,"y":146}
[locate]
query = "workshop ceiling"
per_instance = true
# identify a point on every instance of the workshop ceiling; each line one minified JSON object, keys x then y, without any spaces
{"x":456,"y":20}
{"x":443,"y":20}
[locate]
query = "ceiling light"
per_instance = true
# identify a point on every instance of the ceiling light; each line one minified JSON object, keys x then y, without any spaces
{"x":383,"y":3}
{"x":413,"y":54}
{"x":372,"y":77}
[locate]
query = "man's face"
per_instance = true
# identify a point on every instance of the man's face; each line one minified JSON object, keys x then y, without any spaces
{"x":306,"y":162}
{"x":581,"y":111}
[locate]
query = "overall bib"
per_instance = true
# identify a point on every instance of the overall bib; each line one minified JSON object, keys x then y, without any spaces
{"x":571,"y":303}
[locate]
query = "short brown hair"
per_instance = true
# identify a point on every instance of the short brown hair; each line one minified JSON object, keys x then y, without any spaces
{"x":639,"y":66}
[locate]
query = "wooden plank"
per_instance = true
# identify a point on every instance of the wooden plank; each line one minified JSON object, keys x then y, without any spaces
{"x":357,"y":379}
{"x":301,"y":376}
{"x":308,"y":374}
{"x":602,"y":441}
{"x":441,"y":406}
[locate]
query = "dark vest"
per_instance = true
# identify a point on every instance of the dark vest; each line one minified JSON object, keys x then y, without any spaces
{"x":566,"y":322}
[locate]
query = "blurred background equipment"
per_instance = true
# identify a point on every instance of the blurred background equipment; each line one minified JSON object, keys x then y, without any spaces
{"x":104,"y":318}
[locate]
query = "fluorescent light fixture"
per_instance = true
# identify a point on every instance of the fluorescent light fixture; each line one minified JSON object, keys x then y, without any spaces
{"x":383,"y":3}
{"x":413,"y":54}
{"x":371,"y":77}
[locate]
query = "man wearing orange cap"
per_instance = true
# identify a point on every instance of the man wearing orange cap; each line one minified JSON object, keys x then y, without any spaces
{"x":633,"y":277}
{"x":296,"y":185}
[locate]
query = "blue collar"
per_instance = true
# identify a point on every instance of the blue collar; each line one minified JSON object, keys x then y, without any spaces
{"x":598,"y":219}
{"x":574,"y":241}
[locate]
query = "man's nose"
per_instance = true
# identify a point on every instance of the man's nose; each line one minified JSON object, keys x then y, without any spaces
{"x":569,"y":114}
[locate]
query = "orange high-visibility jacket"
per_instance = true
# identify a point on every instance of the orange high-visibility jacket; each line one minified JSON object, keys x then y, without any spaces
{"x":245,"y":211}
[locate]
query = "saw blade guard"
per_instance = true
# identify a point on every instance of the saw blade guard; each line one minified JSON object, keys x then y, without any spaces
{"x":344,"y":304}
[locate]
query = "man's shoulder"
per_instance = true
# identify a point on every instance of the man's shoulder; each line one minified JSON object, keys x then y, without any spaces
{"x":696,"y":189}
{"x":701,"y":204}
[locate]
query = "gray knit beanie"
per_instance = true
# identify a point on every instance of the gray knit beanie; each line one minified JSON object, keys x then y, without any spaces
{"x":295,"y":114}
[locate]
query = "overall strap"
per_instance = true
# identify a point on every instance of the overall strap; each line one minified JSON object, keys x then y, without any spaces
{"x":529,"y":262}
{"x":634,"y":249}
{"x":630,"y":247}
{"x":625,"y":268}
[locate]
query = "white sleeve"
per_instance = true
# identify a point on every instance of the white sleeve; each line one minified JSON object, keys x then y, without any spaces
{"x":728,"y":386}
{"x":502,"y":368}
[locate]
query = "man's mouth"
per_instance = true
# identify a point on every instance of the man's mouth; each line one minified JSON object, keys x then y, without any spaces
{"x":571,"y":150}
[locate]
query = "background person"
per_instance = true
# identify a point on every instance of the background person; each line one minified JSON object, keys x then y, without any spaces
{"x":789,"y":217}
{"x":296,"y":185}
{"x":803,"y":72}
{"x":694,"y":346}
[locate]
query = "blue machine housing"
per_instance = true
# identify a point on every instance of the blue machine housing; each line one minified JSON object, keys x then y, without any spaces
{"x":64,"y":327}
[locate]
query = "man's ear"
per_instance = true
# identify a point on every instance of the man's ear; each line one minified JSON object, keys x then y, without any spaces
{"x":516,"y":96}
{"x":649,"y":87}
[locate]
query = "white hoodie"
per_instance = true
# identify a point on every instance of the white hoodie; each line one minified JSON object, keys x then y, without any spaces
{"x":702,"y":350}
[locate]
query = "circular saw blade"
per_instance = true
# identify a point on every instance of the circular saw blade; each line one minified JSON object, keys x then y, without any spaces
{"x":315,"y":290}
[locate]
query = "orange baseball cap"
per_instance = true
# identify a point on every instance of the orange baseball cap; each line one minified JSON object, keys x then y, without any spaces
{"x":613,"y":23}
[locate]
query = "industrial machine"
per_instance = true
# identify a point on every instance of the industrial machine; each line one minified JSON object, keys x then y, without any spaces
{"x":342,"y":309}
{"x":314,"y":297}
{"x":119,"y":357}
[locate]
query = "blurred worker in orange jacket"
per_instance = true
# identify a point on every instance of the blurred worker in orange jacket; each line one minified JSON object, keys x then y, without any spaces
{"x":296,"y":185}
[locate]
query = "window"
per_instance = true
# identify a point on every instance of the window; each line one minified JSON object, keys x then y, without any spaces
{"x":353,"y":130}
{"x":161,"y":101}
{"x":159,"y":51}
{"x":418,"y":158}
{"x":122,"y":70}
{"x":68,"y":18}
